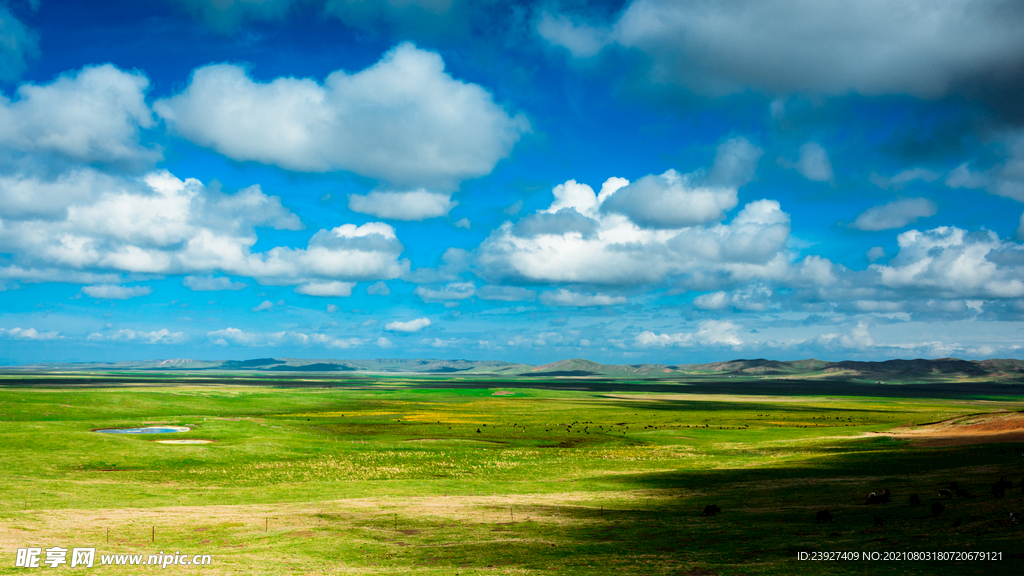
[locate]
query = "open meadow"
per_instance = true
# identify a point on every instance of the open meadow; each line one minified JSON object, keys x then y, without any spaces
{"x":425,"y":475}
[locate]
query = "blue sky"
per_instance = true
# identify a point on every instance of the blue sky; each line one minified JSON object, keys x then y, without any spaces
{"x":639,"y":181}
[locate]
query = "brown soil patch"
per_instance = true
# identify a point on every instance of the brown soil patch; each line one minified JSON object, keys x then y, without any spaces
{"x":503,"y":393}
{"x":992,"y":427}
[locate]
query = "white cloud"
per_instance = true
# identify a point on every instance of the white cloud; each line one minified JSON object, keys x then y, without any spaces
{"x":876,"y":253}
{"x":384,"y":342}
{"x":211,"y":283}
{"x":229,"y":336}
{"x":28,"y":334}
{"x":735,"y":163}
{"x":450,"y":291}
{"x":750,"y":298}
{"x":162,"y":225}
{"x":906,"y":176}
{"x":265,"y":305}
{"x":563,"y":297}
{"x":949,"y":262}
{"x":403,"y":120}
{"x":18,"y":44}
{"x":114,"y":292}
{"x":378,"y":289}
{"x":332,"y":308}
{"x":408,"y":327}
{"x":161,"y":336}
{"x":334,"y":288}
{"x":414,"y":205}
{"x":93,"y":115}
{"x":611,"y":249}
{"x":963,"y":177}
{"x":709,"y":333}
{"x":857,"y":338}
{"x":814,"y":163}
{"x":1020,"y":228}
{"x":462,"y":223}
{"x":671,"y":200}
{"x":896,"y":214}
{"x":712,"y":301}
{"x":581,"y":40}
{"x":918,"y":47}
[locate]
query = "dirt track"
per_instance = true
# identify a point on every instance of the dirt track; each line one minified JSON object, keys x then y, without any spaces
{"x":963,"y":430}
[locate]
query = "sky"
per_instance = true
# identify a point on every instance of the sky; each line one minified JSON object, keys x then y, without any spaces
{"x":639,"y":181}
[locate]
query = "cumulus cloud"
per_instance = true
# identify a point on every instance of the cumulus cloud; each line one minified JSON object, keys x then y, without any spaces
{"x":916,"y":47}
{"x":896,"y":214}
{"x":403,"y":120}
{"x":949,"y":262}
{"x":384,"y":342}
{"x":709,"y":333}
{"x":735,"y":163}
{"x":234,"y":336}
{"x":963,"y":177}
{"x":407,"y":327}
{"x":671,"y":200}
{"x":876,"y":253}
{"x":814,"y":163}
{"x":415,"y":205}
{"x":92,"y":115}
{"x":563,"y":297}
{"x":580,"y":39}
{"x":114,"y":292}
{"x":750,"y":298}
{"x":450,"y":291}
{"x":18,"y":45}
{"x":161,"y":336}
{"x":160,"y":224}
{"x":334,"y":288}
{"x":620,"y":251}
{"x":857,"y":338}
{"x":211,"y":283}
{"x":28,"y":334}
{"x":378,"y":289}
{"x":265,"y":305}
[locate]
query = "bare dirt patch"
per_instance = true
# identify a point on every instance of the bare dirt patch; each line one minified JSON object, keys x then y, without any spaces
{"x":991,"y":427}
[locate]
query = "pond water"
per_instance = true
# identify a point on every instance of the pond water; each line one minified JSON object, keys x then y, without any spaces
{"x":146,"y":430}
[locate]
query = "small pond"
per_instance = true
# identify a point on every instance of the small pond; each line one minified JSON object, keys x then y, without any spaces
{"x":146,"y":430}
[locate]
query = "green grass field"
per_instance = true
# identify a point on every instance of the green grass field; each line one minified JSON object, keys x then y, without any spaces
{"x":393,"y":477}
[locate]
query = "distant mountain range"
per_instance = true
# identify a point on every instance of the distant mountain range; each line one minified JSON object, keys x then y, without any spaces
{"x":898,"y":370}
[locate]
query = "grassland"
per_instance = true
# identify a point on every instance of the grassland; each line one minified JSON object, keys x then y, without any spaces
{"x":431,"y":476}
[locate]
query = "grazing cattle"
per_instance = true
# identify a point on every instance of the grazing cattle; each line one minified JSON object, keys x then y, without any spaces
{"x":711,"y":510}
{"x":945,"y":494}
{"x":958,"y":522}
{"x":915,"y":500}
{"x":823,"y":516}
{"x":879,"y":521}
{"x":998,"y":490}
{"x":963,"y":493}
{"x":882,"y":498}
{"x":937,"y":508}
